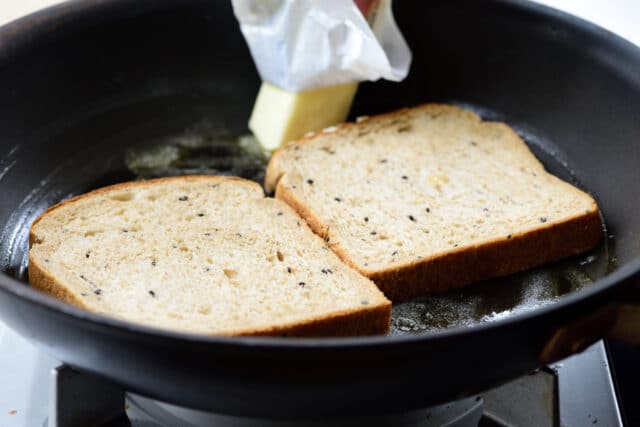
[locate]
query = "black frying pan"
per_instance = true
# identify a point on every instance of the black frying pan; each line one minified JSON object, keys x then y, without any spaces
{"x":84,"y":82}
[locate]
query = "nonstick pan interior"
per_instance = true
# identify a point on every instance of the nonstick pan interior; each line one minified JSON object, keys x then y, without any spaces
{"x":212,"y":146}
{"x":84,"y":85}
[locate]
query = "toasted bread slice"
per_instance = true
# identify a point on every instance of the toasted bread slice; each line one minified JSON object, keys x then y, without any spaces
{"x":431,"y":198}
{"x":207,"y":255}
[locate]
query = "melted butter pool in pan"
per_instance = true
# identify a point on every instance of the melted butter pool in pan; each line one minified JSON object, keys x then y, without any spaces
{"x":497,"y":298}
{"x":206,"y":149}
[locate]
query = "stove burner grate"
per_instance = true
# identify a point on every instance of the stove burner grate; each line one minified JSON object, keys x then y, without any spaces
{"x":577,"y":392}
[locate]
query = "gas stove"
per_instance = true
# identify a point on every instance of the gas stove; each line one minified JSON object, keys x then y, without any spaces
{"x":37,"y":390}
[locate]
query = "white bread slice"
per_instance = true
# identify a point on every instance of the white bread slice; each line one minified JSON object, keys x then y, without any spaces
{"x":430,"y":198}
{"x":202,"y":254}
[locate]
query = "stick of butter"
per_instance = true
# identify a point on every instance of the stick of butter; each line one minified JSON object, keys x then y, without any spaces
{"x":280,"y":116}
{"x":313,"y":53}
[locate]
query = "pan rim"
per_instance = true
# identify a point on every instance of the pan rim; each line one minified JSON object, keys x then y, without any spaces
{"x":70,"y":9}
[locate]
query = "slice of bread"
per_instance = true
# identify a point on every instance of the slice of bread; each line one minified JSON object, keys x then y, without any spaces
{"x":201,"y":254}
{"x":430,"y":198}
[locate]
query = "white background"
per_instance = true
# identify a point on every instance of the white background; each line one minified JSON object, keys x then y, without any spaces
{"x":619,"y":16}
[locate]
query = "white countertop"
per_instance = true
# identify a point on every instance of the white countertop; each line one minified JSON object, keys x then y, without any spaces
{"x":619,"y":16}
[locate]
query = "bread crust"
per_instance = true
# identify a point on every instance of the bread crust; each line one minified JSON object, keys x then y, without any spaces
{"x":370,"y":321}
{"x":456,"y":267}
{"x":373,"y":319}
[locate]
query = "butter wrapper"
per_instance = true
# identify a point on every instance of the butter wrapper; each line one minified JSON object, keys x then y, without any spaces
{"x":300,"y":45}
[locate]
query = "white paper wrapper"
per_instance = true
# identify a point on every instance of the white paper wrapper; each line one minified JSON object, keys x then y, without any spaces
{"x":299,"y":45}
